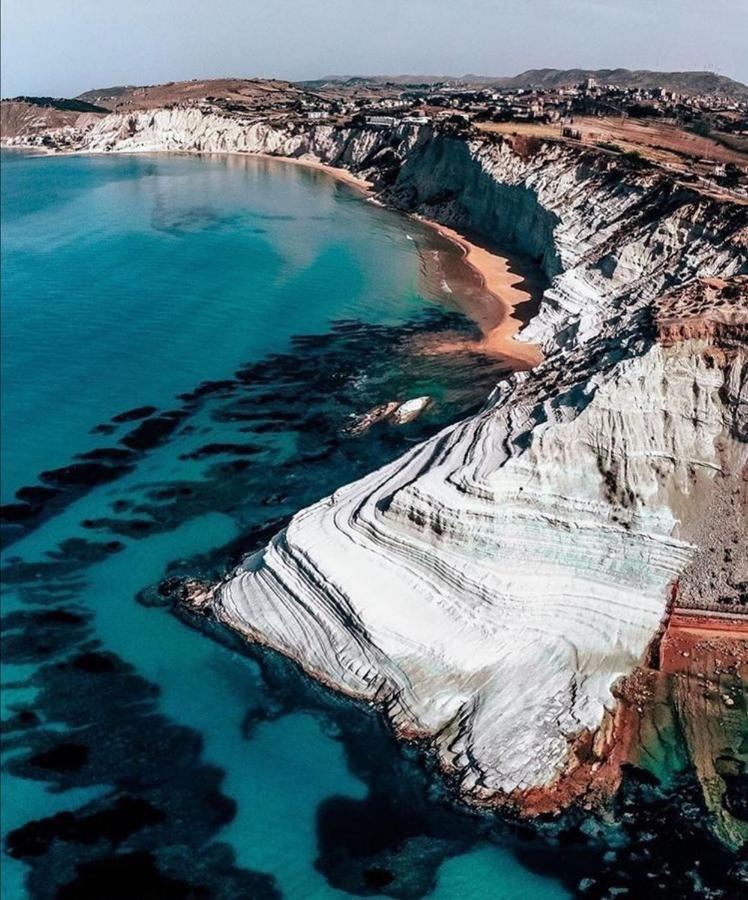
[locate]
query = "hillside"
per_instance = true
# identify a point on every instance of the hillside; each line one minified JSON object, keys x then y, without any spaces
{"x":32,"y":115}
{"x":683,"y":82}
{"x":251,"y":93}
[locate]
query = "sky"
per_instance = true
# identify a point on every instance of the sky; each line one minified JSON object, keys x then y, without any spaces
{"x":64,"y":47}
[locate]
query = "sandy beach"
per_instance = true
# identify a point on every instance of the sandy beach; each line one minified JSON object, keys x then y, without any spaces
{"x":495,"y":309}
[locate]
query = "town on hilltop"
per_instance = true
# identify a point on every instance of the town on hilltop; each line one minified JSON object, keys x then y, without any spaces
{"x":669,"y":120}
{"x":614,"y":117}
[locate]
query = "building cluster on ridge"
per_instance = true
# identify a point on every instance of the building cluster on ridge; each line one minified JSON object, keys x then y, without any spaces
{"x":564,"y":112}
{"x":702,"y":137}
{"x":530,"y":104}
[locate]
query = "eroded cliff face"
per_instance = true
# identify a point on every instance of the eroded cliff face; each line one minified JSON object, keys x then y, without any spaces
{"x":494,"y":589}
{"x":498,"y":589}
{"x":490,"y":589}
{"x":192,"y":129}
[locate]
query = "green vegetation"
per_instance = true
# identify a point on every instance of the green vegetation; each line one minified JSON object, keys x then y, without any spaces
{"x":702,"y":127}
{"x":634,"y":159}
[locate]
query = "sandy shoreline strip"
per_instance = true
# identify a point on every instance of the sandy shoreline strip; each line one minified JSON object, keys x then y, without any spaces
{"x":505,"y":289}
{"x":496,"y":315}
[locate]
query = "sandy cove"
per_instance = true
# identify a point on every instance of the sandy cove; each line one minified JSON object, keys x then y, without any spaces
{"x":493,"y":309}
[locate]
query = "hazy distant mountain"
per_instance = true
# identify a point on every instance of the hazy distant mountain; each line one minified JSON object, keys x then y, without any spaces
{"x":354,"y":80}
{"x":683,"y":82}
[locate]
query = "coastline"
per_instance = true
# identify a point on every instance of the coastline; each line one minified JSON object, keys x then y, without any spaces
{"x":503,"y":289}
{"x":504,"y":278}
{"x":343,"y":175}
{"x":495,"y":309}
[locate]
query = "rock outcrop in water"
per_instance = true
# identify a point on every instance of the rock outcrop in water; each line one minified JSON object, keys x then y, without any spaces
{"x":497,"y":590}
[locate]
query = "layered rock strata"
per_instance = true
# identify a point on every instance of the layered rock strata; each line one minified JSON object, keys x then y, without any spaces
{"x":492,"y":590}
{"x":497,"y":590}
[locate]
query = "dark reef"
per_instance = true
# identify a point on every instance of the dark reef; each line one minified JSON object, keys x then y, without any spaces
{"x":272,"y":440}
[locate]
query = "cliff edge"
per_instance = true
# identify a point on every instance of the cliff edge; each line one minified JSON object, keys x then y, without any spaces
{"x":501,"y":591}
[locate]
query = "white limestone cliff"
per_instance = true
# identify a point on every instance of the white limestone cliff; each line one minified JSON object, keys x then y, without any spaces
{"x":486,"y":593}
{"x":490,"y":588}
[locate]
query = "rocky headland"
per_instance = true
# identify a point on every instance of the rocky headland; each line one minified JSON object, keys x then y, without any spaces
{"x":533,"y":591}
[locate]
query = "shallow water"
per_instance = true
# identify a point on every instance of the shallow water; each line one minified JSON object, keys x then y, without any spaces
{"x":185,"y":341}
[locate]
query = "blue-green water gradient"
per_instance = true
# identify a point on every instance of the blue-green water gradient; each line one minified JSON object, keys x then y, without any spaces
{"x":129,"y":280}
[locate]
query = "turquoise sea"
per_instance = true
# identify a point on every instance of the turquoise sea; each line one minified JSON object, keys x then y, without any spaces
{"x":184,"y":341}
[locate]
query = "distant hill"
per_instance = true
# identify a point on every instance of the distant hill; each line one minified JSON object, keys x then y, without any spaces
{"x":33,"y":115}
{"x":107,"y":96}
{"x":375,"y":80}
{"x":76,"y":104}
{"x":683,"y":82}
{"x":244,"y":92}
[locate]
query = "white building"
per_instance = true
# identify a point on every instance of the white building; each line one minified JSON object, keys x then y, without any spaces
{"x":383,"y":121}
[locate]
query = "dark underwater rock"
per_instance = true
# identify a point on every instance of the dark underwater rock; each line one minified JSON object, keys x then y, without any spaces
{"x":132,"y":415}
{"x":152,"y":432}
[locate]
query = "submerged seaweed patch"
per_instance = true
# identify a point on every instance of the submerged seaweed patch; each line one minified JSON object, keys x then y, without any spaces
{"x":132,"y":415}
{"x":95,"y":722}
{"x":308,"y":393}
